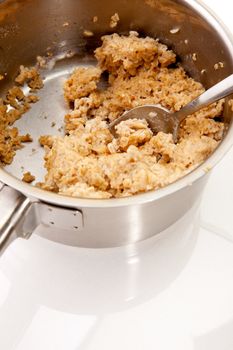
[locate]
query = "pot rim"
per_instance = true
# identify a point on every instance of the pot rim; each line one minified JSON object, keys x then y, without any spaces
{"x":151,"y":196}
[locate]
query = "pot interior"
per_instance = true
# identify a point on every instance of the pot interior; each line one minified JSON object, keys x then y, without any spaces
{"x":29,"y":28}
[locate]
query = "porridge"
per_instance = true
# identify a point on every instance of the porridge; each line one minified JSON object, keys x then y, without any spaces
{"x":89,"y":161}
{"x":12,"y":107}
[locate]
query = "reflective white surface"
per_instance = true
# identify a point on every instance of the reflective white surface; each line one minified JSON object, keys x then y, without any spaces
{"x":173,"y":291}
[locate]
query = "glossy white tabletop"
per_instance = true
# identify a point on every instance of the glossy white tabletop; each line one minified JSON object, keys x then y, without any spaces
{"x":171,"y":292}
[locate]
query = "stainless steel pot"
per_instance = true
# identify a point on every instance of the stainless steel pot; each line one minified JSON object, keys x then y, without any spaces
{"x":34,"y":27}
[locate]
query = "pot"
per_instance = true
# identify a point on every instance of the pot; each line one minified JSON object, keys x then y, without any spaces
{"x":58,"y":27}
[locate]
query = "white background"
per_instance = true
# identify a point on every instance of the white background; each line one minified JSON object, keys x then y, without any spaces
{"x":174,"y":292}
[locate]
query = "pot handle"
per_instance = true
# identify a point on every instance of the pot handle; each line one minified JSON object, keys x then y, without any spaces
{"x":19,"y":217}
{"x":14,"y":208}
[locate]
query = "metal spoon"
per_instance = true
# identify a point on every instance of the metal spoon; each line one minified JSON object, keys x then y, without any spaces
{"x":160,"y":119}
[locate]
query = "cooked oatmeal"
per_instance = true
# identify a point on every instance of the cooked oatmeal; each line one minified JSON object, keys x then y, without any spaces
{"x":89,"y":161}
{"x":12,"y":107}
{"x":31,"y":77}
{"x":28,"y":177}
{"x":88,"y":33}
{"x":114,"y":20}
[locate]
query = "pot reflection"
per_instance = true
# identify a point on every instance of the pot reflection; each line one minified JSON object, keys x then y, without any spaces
{"x":93,"y":282}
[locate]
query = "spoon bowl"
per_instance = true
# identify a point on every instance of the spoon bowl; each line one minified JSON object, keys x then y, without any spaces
{"x":160,"y":119}
{"x":157,"y":117}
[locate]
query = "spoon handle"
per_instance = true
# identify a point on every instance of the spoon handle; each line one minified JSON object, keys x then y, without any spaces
{"x":215,"y":93}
